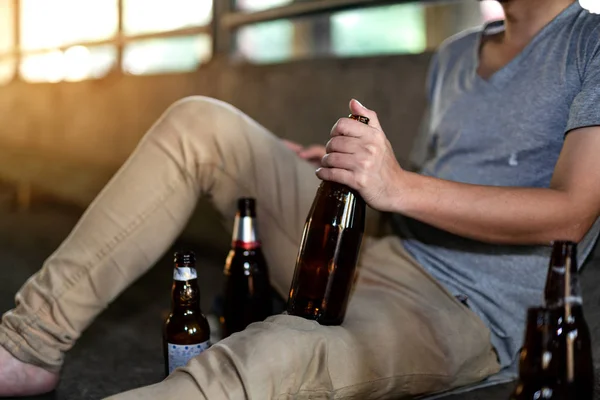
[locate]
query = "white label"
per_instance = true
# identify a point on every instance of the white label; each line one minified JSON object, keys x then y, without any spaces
{"x":180,"y":354}
{"x":184,"y":274}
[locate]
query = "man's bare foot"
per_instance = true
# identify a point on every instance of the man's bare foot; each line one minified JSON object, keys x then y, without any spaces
{"x":20,"y":379}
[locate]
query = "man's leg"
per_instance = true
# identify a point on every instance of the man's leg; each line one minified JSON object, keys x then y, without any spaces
{"x":403,"y":335}
{"x":200,"y":146}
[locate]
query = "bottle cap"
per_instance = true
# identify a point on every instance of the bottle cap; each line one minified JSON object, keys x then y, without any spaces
{"x":359,"y":118}
{"x":185,"y":257}
{"x":247,"y":207}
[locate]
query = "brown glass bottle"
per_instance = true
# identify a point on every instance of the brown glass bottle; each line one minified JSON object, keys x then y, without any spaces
{"x":571,"y":343}
{"x":186,"y":332}
{"x":247,"y":294}
{"x":326,"y":263}
{"x":537,"y":367}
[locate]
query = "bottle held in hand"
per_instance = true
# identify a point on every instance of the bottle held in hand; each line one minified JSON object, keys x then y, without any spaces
{"x":326,"y":263}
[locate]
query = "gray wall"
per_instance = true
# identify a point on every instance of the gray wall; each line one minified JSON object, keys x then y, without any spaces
{"x":96,"y":124}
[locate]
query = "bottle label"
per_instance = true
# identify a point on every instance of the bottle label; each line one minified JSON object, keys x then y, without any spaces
{"x":184,"y":274}
{"x":180,"y":354}
{"x":244,"y":233}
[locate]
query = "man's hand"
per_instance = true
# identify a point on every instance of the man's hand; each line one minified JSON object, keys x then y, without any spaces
{"x":313,"y":154}
{"x":361,"y":157}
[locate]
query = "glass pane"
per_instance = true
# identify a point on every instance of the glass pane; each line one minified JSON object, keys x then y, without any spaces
{"x":74,"y":64}
{"x":266,"y":42}
{"x":48,"y":24}
{"x":7,"y":69}
{"x":367,"y":31}
{"x":146,"y":16}
{"x":7,"y":27}
{"x":379,"y":30}
{"x":162,"y":55}
{"x":259,"y":5}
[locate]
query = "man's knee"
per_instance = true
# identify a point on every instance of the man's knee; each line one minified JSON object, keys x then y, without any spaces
{"x":198,"y":117}
{"x":282,"y":355}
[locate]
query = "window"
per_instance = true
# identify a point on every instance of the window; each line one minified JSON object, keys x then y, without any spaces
{"x":405,"y":28}
{"x":7,"y":42}
{"x":379,"y":30}
{"x":160,"y":55}
{"x":73,"y":40}
{"x":166,"y":54}
{"x":259,"y":5}
{"x":7,"y":27}
{"x":150,"y":16}
{"x":49,"y":24}
{"x":50,"y":33}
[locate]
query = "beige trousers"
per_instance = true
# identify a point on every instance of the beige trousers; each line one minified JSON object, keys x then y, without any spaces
{"x":404,"y":334}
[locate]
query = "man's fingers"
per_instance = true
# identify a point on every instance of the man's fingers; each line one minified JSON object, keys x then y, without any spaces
{"x":351,"y":128}
{"x":358,"y":109}
{"x":295,"y":147}
{"x":339,"y":160}
{"x":313,"y":152}
{"x":342,"y":176}
{"x":343,"y":144}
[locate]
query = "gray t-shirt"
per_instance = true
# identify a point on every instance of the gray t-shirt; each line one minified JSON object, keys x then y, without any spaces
{"x":504,"y":131}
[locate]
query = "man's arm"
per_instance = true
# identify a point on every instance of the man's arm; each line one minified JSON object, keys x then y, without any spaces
{"x":361,"y":157}
{"x":566,"y":210}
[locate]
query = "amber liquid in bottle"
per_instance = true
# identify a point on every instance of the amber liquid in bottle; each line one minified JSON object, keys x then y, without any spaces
{"x":326,"y":264}
{"x":537,"y":367}
{"x":247,"y":293}
{"x":186,"y":332}
{"x":571,"y":342}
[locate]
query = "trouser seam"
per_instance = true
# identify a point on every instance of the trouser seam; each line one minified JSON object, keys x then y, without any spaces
{"x":419,"y":376}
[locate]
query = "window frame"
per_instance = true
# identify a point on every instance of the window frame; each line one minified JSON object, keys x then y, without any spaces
{"x":119,"y":40}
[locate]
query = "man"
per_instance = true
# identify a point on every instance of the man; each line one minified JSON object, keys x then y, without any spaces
{"x":509,"y":165}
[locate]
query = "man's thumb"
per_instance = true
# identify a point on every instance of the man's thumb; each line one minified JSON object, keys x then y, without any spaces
{"x":358,"y":109}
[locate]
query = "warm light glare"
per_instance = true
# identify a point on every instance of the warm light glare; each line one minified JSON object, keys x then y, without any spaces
{"x":147,"y":16}
{"x":51,"y":24}
{"x":8,"y":67}
{"x":164,"y":55}
{"x":74,"y":64}
{"x":47,"y":67}
{"x":259,"y":5}
{"x":77,"y":63}
{"x":592,"y":6}
{"x":7,"y":37}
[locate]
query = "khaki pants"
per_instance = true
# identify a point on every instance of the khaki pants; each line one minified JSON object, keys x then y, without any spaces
{"x":403,"y":334}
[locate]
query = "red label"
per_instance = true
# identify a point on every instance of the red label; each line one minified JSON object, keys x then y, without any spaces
{"x":246,"y":245}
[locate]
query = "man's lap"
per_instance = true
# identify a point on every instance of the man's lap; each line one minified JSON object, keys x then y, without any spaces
{"x":403,"y":334}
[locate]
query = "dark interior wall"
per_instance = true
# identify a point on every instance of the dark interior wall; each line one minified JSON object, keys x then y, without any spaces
{"x":94,"y":125}
{"x":101,"y":121}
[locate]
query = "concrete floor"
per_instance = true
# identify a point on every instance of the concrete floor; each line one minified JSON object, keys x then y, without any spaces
{"x":122,"y":349}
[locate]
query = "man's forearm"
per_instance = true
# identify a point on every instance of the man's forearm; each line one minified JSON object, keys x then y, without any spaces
{"x":494,"y":214}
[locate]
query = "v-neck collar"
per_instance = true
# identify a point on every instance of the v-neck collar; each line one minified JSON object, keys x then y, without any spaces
{"x":505,"y":73}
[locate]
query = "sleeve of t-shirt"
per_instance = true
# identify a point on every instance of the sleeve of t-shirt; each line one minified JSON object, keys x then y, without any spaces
{"x":420,"y":149}
{"x":585,"y":109}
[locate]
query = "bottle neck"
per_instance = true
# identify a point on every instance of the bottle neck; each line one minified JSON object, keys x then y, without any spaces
{"x":562,"y":282}
{"x":245,"y":235}
{"x":185,"y":294}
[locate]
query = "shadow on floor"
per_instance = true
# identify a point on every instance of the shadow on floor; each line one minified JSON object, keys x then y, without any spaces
{"x":122,"y":349}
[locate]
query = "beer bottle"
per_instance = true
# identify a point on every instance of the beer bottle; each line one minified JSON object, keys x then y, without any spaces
{"x":326,"y":262}
{"x":570,"y":344}
{"x":247,"y":294}
{"x":186,"y":332}
{"x":537,"y":368}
